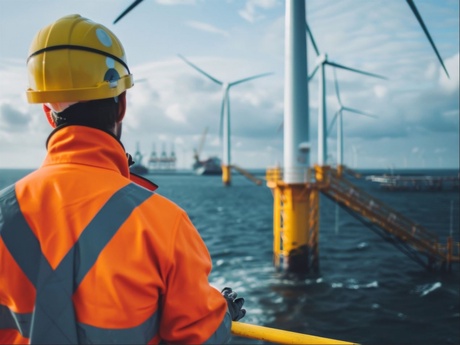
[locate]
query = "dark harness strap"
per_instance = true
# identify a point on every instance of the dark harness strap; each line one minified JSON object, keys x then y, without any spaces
{"x":53,"y":320}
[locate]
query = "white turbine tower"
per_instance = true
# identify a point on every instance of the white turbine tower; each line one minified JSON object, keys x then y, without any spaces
{"x":339,"y":117}
{"x":225,"y":116}
{"x":322,"y":61}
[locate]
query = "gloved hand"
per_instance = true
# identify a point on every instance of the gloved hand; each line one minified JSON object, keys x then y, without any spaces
{"x":234,"y":304}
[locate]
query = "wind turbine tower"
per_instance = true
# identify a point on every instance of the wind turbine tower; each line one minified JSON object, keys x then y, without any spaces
{"x":224,"y":117}
{"x":296,"y":198}
{"x":296,"y":195}
{"x":339,"y":117}
{"x":322,"y":62}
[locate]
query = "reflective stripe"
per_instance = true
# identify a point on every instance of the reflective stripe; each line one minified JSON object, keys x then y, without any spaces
{"x":53,"y":320}
{"x":88,"y":334}
{"x":136,"y":335}
{"x":17,"y":321}
{"x":6,"y":319}
{"x":104,"y":226}
{"x":223,"y":333}
{"x":18,"y":237}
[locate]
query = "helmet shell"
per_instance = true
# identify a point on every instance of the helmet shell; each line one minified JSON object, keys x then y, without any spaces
{"x":76,"y":59}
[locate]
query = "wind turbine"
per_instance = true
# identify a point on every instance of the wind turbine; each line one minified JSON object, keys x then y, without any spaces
{"x":128,"y":9}
{"x":427,"y":34}
{"x":322,"y":61}
{"x":225,"y":116}
{"x":339,"y":117}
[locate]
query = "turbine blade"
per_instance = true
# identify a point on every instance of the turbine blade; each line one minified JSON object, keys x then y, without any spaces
{"x":125,"y":12}
{"x":249,"y":78}
{"x":354,"y":70}
{"x":314,"y":71}
{"x":427,"y":34}
{"x":309,"y":33}
{"x":352,"y":110}
{"x":200,"y":70}
{"x":336,"y":83}
{"x":280,"y":127}
{"x":331,"y":125}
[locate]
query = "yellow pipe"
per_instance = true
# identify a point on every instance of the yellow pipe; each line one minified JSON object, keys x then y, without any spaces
{"x":226,"y":175}
{"x":279,"y":336}
{"x":277,"y":226}
{"x":295,"y":228}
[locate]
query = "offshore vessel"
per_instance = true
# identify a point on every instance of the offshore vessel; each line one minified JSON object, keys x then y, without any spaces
{"x":137,"y":167}
{"x":210,"y":166}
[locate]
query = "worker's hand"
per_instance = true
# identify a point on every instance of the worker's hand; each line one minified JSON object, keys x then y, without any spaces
{"x":234,"y":304}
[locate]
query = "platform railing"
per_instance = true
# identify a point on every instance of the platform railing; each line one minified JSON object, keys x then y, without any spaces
{"x":387,"y":218}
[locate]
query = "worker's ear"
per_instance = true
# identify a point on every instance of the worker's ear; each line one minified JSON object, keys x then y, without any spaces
{"x":48,"y":111}
{"x":121,"y":106}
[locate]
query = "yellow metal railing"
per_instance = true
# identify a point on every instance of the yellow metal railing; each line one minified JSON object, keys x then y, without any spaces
{"x":331,"y":182}
{"x":387,"y":218}
{"x":248,"y":175}
{"x":279,"y":336}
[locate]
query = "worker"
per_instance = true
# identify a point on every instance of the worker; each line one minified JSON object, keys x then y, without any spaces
{"x":89,"y":253}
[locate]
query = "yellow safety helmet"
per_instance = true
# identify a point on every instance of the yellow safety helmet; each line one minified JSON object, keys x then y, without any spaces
{"x":76,"y":59}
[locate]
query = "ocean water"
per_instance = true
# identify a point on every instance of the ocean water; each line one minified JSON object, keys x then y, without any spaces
{"x":367,"y":291}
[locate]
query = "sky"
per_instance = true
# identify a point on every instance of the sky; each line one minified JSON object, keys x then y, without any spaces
{"x":416,"y":109}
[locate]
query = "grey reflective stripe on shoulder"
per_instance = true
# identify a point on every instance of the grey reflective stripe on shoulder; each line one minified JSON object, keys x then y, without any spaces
{"x":17,"y":235}
{"x":17,"y":321}
{"x":104,"y":226}
{"x":223,"y":333}
{"x":53,"y":320}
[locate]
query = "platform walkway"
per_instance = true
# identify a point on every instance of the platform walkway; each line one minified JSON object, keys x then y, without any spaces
{"x":413,"y":239}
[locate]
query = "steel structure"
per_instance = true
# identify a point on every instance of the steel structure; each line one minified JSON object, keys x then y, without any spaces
{"x":411,"y":238}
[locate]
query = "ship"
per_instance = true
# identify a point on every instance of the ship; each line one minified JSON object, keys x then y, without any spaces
{"x":415,"y":182}
{"x":137,"y":167}
{"x":209,"y":166}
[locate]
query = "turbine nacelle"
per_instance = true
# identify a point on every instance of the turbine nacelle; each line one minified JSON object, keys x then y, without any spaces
{"x":321,"y":59}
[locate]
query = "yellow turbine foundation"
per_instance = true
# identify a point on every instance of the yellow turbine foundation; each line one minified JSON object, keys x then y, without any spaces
{"x":295,"y":224}
{"x":226,"y":175}
{"x":340,"y":170}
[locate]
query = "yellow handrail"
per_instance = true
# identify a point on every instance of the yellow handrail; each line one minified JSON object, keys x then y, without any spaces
{"x":279,"y":336}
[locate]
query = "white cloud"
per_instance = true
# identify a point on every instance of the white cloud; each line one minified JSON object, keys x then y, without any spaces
{"x":380,"y":91}
{"x":417,"y":107}
{"x":175,"y":112}
{"x":176,"y":2}
{"x":451,"y":84}
{"x":207,"y":28}
{"x":251,"y":13}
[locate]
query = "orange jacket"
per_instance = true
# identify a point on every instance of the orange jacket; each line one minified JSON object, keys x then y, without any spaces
{"x":88,"y":256}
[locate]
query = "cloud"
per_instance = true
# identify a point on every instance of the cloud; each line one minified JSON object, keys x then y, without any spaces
{"x":206,"y":28}
{"x":176,"y":2}
{"x":174,"y":112}
{"x":450,"y":84}
{"x":416,"y":107}
{"x":13,"y":120}
{"x":250,"y":11}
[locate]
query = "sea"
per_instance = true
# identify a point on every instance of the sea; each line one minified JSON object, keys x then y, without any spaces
{"x":367,"y":291}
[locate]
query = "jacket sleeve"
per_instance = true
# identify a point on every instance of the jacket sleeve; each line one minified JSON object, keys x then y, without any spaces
{"x":12,"y":336}
{"x":193,"y":311}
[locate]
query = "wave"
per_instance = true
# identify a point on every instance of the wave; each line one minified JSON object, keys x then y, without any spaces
{"x":425,"y":289}
{"x":352,"y":285}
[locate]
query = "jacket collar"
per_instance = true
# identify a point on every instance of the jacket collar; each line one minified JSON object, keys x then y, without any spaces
{"x":85,"y":145}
